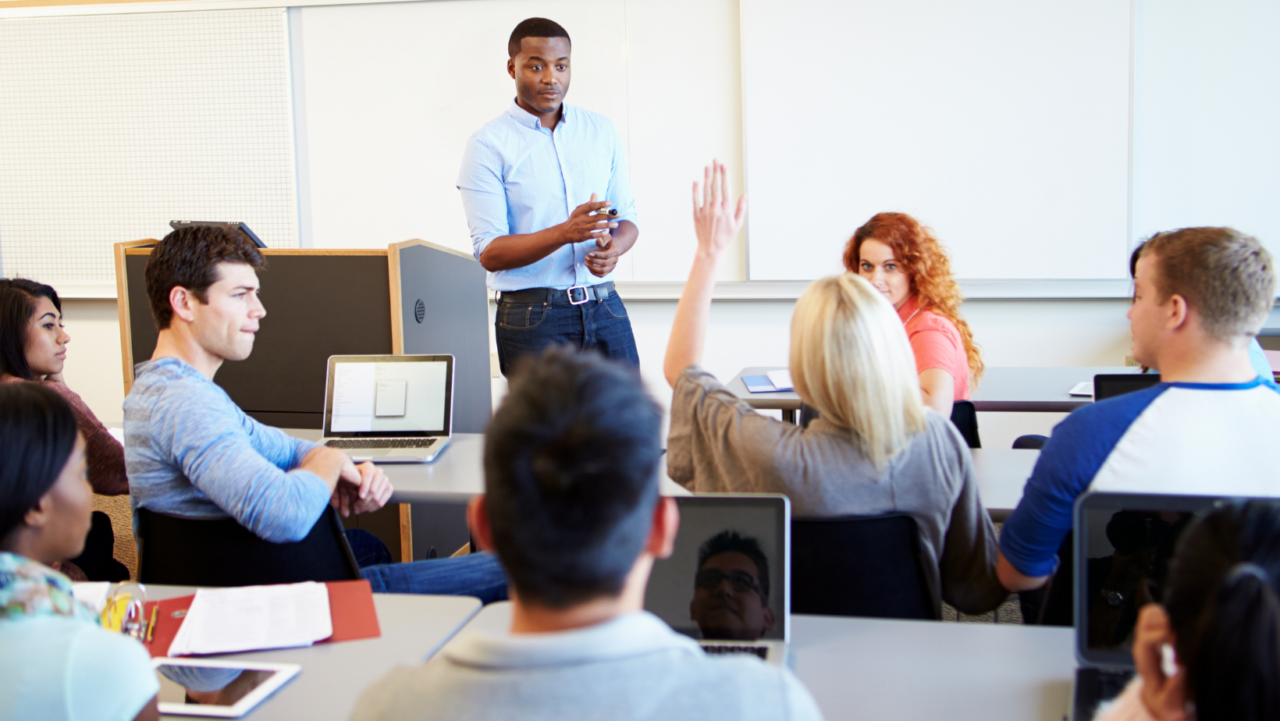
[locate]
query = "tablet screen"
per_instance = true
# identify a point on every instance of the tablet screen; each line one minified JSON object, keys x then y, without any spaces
{"x":222,"y":689}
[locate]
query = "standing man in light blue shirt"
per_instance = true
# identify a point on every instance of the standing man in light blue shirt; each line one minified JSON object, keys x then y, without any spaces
{"x":548,"y":201}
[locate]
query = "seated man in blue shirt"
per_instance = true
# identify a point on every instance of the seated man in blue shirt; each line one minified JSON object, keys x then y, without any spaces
{"x":190,"y":451}
{"x":1200,"y":297}
{"x":571,"y":505}
{"x":538,"y":185}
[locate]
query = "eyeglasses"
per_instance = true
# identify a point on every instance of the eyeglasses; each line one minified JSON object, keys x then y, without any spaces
{"x":739,"y":581}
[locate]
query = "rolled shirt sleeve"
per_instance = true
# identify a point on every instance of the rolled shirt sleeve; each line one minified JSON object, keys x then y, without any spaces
{"x":484,"y":198}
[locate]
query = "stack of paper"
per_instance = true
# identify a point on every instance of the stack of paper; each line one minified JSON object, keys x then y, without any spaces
{"x":227,"y":620}
{"x":781,"y":380}
{"x":92,"y":594}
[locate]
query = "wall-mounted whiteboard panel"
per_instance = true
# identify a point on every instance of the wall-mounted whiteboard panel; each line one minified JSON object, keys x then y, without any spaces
{"x":1002,"y":124}
{"x":394,"y":91}
{"x":1207,"y":117}
{"x":111,"y":126}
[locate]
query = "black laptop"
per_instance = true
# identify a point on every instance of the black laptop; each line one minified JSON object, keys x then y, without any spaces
{"x":1110,"y":385}
{"x":1123,"y":545}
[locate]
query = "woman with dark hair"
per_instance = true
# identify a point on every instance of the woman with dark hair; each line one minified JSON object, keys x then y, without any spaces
{"x":902,"y":259}
{"x":58,"y":663}
{"x":1211,"y":652}
{"x":33,"y":348}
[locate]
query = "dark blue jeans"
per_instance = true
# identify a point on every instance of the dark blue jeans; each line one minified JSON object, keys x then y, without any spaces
{"x":476,"y":574}
{"x":526,"y":328}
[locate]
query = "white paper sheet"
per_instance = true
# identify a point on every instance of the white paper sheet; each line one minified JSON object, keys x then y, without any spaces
{"x":92,"y":594}
{"x":227,"y":620}
{"x":781,"y":380}
{"x":1083,"y":388}
{"x":392,"y":395}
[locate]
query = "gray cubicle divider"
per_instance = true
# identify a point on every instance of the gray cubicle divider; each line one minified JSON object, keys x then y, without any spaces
{"x":444,"y":308}
{"x":319,"y":303}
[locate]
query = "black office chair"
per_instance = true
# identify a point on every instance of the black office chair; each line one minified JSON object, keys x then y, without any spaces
{"x":859,"y":566}
{"x":220,"y":552}
{"x":963,"y":416}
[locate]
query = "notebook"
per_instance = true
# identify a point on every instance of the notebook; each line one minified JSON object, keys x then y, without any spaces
{"x":1123,"y":545}
{"x":389,"y":408}
{"x":715,"y":588}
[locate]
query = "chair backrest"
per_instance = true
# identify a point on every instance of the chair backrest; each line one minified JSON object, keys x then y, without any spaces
{"x":965,"y":418}
{"x":220,"y":552}
{"x":859,"y":566}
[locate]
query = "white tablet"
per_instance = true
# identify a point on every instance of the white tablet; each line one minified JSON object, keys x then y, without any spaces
{"x":225,"y":689}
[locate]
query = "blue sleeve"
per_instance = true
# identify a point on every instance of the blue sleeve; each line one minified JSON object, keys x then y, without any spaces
{"x":109,"y":676}
{"x":484,"y":196}
{"x":1079,"y":446}
{"x":217,"y":448}
{"x":620,"y":180}
{"x":1258,"y":359}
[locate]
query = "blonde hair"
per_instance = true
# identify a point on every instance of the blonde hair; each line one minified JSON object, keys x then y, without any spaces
{"x":850,"y":359}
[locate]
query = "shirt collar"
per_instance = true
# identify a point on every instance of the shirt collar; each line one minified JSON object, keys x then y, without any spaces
{"x":529,"y":120}
{"x":909,"y":308}
{"x":628,"y":635}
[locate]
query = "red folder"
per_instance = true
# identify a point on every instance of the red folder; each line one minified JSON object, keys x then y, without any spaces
{"x":350,"y":606}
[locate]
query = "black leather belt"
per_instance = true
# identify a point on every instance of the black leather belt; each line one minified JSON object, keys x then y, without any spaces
{"x":577,"y":295}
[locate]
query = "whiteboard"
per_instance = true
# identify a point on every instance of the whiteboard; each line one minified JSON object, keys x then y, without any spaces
{"x":111,"y":126}
{"x":1206,"y":114}
{"x":390,"y":93}
{"x":1002,"y":124}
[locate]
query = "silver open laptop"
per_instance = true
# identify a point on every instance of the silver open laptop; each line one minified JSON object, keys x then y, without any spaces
{"x":389,"y":408}
{"x":728,"y":581}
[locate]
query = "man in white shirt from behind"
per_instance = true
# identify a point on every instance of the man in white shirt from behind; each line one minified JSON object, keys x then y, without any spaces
{"x":571,"y":507}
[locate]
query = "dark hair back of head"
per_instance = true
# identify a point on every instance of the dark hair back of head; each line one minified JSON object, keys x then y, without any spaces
{"x":1227,"y":277}
{"x":37,"y":435}
{"x":189,"y":257}
{"x":535,"y":28}
{"x":1221,"y":595}
{"x":570,"y":462}
{"x":17,"y":305}
{"x":733,"y":542}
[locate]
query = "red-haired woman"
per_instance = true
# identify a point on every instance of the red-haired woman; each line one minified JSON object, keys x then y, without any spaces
{"x":903,"y":260}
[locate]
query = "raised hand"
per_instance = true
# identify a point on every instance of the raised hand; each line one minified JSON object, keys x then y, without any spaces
{"x":715,"y":220}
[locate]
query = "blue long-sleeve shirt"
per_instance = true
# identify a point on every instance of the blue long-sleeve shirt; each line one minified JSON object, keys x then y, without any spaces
{"x":190,"y":451}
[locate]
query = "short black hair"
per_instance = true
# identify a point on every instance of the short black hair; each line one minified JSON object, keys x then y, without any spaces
{"x":37,"y":433}
{"x":189,"y":257}
{"x":570,"y":464}
{"x":535,"y":28}
{"x":17,"y":305}
{"x":730,"y":541}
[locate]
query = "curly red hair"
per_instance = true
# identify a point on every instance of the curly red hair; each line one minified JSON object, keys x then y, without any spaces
{"x":926,"y":264}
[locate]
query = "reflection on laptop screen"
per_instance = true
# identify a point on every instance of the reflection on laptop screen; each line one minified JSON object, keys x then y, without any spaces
{"x":725,"y":579}
{"x":389,"y":397}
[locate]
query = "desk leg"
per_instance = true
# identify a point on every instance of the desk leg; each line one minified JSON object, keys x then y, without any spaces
{"x":406,"y":533}
{"x":789,"y":415}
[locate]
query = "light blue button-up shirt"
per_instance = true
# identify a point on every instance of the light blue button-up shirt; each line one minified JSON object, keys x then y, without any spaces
{"x":519,"y":177}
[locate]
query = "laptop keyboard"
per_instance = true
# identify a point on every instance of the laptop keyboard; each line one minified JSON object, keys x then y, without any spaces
{"x":761,"y":651}
{"x":1095,"y":686}
{"x":381,"y":443}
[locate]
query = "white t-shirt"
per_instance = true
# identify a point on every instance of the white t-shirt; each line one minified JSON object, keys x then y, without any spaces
{"x":56,"y":668}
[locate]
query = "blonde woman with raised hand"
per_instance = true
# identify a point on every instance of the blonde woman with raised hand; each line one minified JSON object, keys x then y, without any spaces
{"x":875,"y":449}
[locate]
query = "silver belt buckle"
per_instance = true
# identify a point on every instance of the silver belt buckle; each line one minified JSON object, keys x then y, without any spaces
{"x":580,"y":288}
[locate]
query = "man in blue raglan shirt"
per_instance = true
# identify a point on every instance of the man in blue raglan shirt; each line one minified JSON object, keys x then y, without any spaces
{"x":190,"y":451}
{"x":549,"y":205}
{"x":1200,"y":297}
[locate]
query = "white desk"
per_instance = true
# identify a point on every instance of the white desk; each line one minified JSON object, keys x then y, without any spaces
{"x":1002,"y":473}
{"x":867,"y":669}
{"x":1024,"y":390}
{"x":872,"y":669}
{"x":457,"y":474}
{"x":333,"y":675}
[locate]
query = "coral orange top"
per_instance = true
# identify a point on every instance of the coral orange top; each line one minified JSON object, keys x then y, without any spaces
{"x":936,"y":343}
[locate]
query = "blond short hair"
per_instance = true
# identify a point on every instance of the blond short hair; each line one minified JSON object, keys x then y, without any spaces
{"x":850,"y":359}
{"x":1227,"y":277}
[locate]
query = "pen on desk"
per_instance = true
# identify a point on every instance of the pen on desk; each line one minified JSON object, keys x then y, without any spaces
{"x":151,"y":627}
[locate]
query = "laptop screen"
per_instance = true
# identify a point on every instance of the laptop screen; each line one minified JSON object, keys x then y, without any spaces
{"x":398,"y":396}
{"x":727,"y":578}
{"x":1124,"y":545}
{"x":1110,"y":385}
